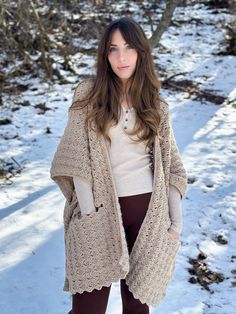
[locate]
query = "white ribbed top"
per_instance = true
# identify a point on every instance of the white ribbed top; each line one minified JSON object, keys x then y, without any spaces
{"x":130,"y":161}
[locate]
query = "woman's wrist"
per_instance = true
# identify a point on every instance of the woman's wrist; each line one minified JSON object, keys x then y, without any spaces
{"x":176,"y":226}
{"x":173,"y":232}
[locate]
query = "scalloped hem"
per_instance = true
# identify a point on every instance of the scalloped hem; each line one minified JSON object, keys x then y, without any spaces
{"x":97,"y":287}
{"x":141,"y":299}
{"x":108,"y":284}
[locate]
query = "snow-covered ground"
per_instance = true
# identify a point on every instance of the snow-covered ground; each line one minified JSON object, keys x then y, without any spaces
{"x":31,"y":231}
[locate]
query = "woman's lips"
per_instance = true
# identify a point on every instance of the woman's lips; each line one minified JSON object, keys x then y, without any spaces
{"x":123,"y":67}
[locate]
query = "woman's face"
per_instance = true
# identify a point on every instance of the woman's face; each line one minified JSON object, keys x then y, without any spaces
{"x":122,"y":57}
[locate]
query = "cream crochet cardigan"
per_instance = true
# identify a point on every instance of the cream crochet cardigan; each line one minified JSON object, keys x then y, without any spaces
{"x":96,"y":252}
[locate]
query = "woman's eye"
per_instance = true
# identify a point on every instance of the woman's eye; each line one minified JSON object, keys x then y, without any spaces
{"x":112,"y":49}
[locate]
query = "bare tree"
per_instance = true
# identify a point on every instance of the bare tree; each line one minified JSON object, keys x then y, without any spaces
{"x":164,"y":22}
{"x":46,"y":62}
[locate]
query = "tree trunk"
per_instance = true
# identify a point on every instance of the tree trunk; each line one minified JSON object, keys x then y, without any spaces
{"x":46,"y":63}
{"x":164,"y":22}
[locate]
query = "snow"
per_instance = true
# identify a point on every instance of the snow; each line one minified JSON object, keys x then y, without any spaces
{"x":31,"y":236}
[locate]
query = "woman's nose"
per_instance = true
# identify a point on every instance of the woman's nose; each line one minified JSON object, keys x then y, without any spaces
{"x":121,"y":56}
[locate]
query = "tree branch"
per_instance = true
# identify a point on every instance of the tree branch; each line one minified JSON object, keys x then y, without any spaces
{"x":164,"y":22}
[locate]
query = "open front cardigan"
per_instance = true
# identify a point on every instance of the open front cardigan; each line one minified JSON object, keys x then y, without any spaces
{"x":96,"y":252}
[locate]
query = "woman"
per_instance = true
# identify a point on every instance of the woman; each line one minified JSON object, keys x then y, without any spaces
{"x":120,"y":170}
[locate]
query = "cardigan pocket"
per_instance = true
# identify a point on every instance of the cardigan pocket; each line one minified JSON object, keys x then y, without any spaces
{"x":172,"y":246}
{"x":80,"y":214}
{"x":172,"y":238}
{"x":88,"y":244}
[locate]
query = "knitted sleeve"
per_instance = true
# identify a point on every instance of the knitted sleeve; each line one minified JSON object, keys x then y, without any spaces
{"x":178,"y":175}
{"x":72,"y":157}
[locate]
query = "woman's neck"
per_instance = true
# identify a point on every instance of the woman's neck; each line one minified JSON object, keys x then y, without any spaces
{"x":125,"y":96}
{"x":126,"y":101}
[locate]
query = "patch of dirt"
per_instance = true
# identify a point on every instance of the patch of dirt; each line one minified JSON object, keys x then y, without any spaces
{"x":192,"y":88}
{"x":8,"y":169}
{"x":201,"y":273}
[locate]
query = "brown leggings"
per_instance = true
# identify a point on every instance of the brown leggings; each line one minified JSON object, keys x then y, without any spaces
{"x":133,"y":210}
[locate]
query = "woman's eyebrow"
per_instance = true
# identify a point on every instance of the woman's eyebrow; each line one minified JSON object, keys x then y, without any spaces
{"x":116,"y":45}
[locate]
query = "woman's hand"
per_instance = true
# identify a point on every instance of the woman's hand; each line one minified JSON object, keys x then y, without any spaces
{"x":174,"y":233}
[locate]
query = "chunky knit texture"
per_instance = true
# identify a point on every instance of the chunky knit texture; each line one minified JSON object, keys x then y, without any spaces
{"x":96,"y":250}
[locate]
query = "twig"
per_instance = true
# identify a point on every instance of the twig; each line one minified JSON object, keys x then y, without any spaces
{"x":174,"y":75}
{"x":17,"y":163}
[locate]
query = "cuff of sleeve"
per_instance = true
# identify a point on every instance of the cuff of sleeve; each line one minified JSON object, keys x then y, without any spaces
{"x":176,"y":228}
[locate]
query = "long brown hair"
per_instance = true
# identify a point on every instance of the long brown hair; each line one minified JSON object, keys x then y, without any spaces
{"x":144,"y":86}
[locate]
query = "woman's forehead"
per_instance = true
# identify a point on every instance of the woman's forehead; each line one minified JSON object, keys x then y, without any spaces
{"x":117,"y":36}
